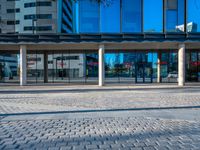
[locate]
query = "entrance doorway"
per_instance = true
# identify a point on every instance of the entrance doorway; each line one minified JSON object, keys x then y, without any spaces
{"x":143,"y":71}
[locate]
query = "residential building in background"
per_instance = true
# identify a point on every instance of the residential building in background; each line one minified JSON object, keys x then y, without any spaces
{"x":7,"y":16}
{"x":36,"y":16}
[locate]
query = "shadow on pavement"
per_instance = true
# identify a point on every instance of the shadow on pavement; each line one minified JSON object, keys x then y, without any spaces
{"x":38,"y":91}
{"x":101,"y":110}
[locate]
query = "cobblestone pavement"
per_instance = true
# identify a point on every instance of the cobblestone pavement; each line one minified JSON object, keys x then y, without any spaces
{"x":120,"y":130}
{"x":64,"y":98}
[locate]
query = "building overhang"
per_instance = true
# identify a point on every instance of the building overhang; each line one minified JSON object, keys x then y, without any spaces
{"x":92,"y":41}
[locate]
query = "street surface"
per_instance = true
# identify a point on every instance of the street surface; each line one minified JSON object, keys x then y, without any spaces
{"x":117,"y":117}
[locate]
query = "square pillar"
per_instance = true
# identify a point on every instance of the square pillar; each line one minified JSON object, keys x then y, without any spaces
{"x":101,"y":65}
{"x":159,"y":68}
{"x":23,"y":64}
{"x":181,"y":65}
{"x":45,"y":67}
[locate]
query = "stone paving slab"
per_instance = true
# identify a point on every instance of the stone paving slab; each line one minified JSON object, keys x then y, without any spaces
{"x":61,"y":98}
{"x":117,"y":130}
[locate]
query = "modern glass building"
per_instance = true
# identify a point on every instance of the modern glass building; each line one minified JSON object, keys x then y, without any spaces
{"x":115,"y":41}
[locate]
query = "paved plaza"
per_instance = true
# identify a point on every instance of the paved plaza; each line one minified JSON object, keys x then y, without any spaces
{"x":160,"y":129}
{"x":113,"y":117}
{"x":91,"y":97}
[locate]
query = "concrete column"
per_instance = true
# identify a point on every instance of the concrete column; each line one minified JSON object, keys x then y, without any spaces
{"x":23,"y":64}
{"x":45,"y":67}
{"x":159,"y":68}
{"x":101,"y":65}
{"x":181,"y":65}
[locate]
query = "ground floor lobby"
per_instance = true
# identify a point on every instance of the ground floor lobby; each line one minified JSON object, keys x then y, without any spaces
{"x":99,"y":66}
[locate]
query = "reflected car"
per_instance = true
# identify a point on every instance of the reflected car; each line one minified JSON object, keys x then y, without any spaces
{"x":173,"y":74}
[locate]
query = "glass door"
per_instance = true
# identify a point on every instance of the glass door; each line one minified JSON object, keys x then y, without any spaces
{"x":148,"y":76}
{"x":140,"y":71}
{"x":143,"y":68}
{"x":144,"y":73}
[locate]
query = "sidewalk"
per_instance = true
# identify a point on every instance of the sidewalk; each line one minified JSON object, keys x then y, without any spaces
{"x":46,"y":98}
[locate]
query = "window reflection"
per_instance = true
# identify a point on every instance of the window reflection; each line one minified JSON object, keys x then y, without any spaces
{"x":89,"y":16}
{"x":9,"y":67}
{"x":110,"y":17}
{"x":112,"y":61}
{"x":131,"y":15}
{"x":153,"y":16}
{"x":193,"y":16}
{"x":192,"y":66}
{"x":174,"y":15}
{"x":169,"y":66}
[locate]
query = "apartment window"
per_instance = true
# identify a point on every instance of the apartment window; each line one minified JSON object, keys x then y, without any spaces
{"x":33,"y":4}
{"x":38,"y":16}
{"x":28,"y":28}
{"x":17,"y":22}
{"x":44,"y":3}
{"x":11,"y":0}
{"x":12,"y":22}
{"x":17,"y":10}
{"x":26,"y":5}
{"x":44,"y":28}
{"x":38,"y":28}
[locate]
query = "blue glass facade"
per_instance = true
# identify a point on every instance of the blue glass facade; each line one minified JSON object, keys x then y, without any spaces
{"x":193,"y":16}
{"x":174,"y":15}
{"x":131,"y":16}
{"x":88,"y":16}
{"x":137,"y":16}
{"x":110,"y":17}
{"x":153,"y":16}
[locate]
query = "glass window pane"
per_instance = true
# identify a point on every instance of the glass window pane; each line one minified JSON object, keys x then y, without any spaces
{"x":50,"y":67}
{"x":58,"y":67}
{"x":131,"y":15}
{"x":77,"y":72}
{"x":153,"y":16}
{"x":31,"y":67}
{"x":110,"y":17}
{"x":112,"y":61}
{"x":9,"y":67}
{"x":66,"y":67}
{"x":89,"y":16}
{"x":174,"y":15}
{"x":92,"y":67}
{"x":40,"y":68}
{"x":193,"y":22}
{"x":127,"y":67}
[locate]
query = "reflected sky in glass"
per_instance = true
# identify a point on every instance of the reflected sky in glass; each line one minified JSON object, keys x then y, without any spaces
{"x":110,"y":17}
{"x":194,"y":13}
{"x":153,"y":20}
{"x":108,"y":21}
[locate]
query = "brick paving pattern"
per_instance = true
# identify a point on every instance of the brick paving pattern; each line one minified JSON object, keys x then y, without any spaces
{"x":100,"y":133}
{"x":77,"y":98}
{"x":155,"y":129}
